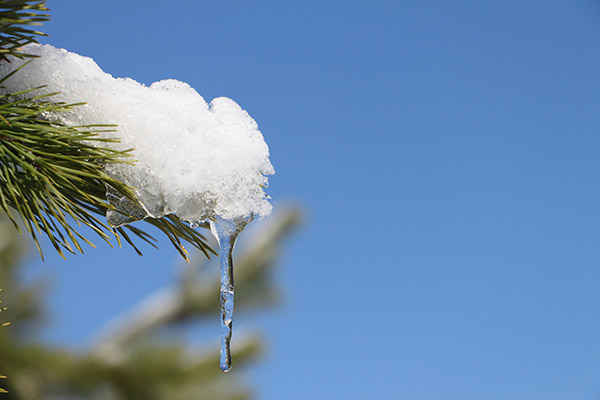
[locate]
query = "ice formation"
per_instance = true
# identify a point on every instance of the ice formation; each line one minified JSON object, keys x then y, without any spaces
{"x":226,"y":232}
{"x":194,"y":159}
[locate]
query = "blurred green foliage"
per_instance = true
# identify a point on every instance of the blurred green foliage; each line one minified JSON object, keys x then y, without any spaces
{"x":137,"y":356}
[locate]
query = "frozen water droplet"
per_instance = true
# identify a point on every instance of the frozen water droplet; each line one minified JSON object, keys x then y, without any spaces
{"x":226,"y":231}
{"x":127,"y":210}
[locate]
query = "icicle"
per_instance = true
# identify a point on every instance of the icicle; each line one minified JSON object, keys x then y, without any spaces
{"x":226,"y":232}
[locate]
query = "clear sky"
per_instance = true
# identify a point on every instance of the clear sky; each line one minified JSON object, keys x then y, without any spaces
{"x":446,"y":153}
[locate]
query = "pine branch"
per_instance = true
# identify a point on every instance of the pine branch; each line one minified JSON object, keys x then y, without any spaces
{"x":53,"y":175}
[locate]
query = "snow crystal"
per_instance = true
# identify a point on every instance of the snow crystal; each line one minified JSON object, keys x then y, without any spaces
{"x":194,"y":159}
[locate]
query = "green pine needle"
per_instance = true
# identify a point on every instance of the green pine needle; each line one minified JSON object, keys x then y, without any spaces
{"x":16,"y":18}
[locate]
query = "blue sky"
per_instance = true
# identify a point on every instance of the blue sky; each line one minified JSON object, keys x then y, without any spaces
{"x":446,"y":154}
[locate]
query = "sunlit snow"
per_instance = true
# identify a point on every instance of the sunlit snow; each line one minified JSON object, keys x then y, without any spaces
{"x":194,"y":159}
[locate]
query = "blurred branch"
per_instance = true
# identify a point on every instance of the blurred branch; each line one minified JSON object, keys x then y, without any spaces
{"x":134,"y":359}
{"x":2,"y":324}
{"x":194,"y":297}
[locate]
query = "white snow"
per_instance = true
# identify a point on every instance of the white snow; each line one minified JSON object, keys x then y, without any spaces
{"x":194,"y":159}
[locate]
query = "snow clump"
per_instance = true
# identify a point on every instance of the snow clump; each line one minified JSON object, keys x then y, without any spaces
{"x":194,"y":159}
